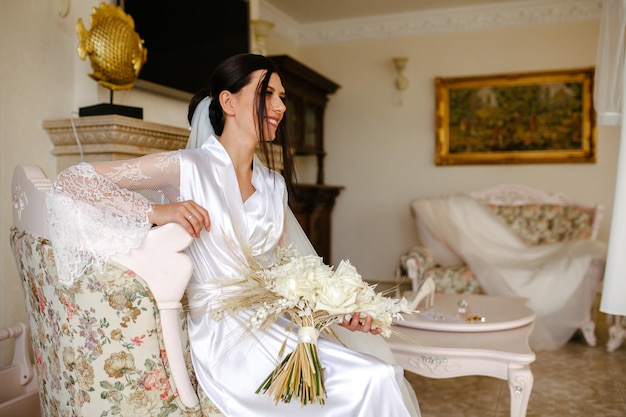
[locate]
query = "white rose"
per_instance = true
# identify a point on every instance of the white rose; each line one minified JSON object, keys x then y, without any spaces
{"x":366,"y":295}
{"x":374,"y":307}
{"x":287,"y":287}
{"x":300,"y":278}
{"x":349,"y":275}
{"x":336,"y":298}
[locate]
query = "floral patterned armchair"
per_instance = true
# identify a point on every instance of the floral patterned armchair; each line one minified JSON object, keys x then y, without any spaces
{"x":113,"y":343}
{"x":538,"y":218}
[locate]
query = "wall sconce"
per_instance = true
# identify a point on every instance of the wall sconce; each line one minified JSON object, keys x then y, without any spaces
{"x":261,"y":29}
{"x":402,"y":83}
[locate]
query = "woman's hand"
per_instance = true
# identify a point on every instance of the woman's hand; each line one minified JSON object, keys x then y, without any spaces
{"x":354,"y":324}
{"x":188,"y":214}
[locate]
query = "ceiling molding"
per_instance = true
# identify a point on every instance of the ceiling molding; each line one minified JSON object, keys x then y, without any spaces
{"x":491,"y":16}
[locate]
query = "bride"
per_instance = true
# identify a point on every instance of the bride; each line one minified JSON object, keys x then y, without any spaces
{"x":233,"y":205}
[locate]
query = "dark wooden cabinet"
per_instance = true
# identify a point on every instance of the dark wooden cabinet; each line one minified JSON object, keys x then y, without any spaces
{"x":307,"y":96}
{"x":313,"y":208}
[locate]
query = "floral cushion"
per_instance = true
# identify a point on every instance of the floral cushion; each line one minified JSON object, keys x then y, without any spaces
{"x":97,"y":344}
{"x":422,"y":257}
{"x":541,"y":224}
{"x":449,"y":280}
{"x":459,"y":280}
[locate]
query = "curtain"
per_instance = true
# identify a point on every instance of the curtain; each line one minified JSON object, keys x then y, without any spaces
{"x":609,"y":94}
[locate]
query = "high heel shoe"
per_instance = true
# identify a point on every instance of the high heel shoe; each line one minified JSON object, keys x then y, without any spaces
{"x":426,"y":290}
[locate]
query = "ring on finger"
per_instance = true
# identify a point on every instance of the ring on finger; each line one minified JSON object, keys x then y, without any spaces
{"x":189,"y":217}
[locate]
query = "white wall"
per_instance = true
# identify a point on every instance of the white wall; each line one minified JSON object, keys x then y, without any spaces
{"x":384,"y":153}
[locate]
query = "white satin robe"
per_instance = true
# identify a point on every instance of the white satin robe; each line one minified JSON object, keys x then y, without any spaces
{"x":230,"y":365}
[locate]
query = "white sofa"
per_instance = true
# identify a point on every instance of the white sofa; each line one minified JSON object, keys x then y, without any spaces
{"x":535,"y":217}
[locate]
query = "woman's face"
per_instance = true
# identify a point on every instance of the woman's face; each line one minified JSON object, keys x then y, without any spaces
{"x":274,"y":104}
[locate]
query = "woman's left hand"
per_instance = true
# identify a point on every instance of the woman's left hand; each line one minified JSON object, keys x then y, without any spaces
{"x":354,"y":324}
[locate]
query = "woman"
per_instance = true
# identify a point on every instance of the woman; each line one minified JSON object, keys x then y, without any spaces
{"x":234,"y":206}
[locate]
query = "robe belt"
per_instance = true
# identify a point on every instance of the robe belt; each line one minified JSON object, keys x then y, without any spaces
{"x":201,"y":297}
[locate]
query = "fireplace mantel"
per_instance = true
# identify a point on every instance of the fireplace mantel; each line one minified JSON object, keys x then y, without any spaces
{"x":109,"y":138}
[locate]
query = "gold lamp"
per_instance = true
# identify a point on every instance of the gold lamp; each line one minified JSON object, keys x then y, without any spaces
{"x":116,"y":53}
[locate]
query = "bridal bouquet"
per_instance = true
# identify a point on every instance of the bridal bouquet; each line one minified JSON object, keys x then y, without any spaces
{"x":313,"y":296}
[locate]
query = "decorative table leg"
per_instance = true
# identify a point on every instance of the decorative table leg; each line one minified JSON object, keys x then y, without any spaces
{"x":520,"y":386}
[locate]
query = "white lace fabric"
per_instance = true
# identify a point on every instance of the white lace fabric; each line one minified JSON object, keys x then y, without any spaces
{"x":98,"y":210}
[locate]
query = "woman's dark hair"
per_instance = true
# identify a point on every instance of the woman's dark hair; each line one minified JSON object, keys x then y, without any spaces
{"x":232,"y":75}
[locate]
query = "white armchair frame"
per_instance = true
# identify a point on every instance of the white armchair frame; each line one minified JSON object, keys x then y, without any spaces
{"x":158,"y":261}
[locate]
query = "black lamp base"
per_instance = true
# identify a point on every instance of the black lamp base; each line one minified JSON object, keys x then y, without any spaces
{"x":108,"y":108}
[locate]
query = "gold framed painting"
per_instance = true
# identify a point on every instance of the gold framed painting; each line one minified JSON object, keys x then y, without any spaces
{"x":518,"y":118}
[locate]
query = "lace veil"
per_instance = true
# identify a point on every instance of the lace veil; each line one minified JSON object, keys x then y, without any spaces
{"x":201,"y":127}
